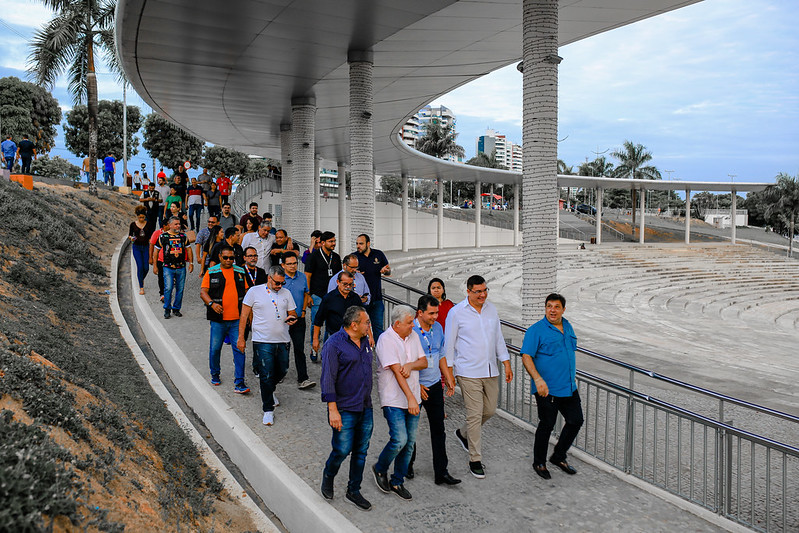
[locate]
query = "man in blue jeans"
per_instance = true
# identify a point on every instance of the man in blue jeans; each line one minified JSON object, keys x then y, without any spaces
{"x":273,"y":311}
{"x":177,"y":254}
{"x":347,"y":390}
{"x":548,"y":356}
{"x":8,"y":148}
{"x":400,"y":356}
{"x":222,"y":290}
{"x":109,"y":168}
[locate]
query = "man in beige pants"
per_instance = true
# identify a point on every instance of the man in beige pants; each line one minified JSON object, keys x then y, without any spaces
{"x":474,"y":344}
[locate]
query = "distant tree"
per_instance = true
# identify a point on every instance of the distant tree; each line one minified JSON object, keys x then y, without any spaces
{"x":598,"y":167}
{"x":29,"y":109}
{"x":565,"y":169}
{"x":67,"y":43}
{"x":700,"y":203}
{"x":632,"y":158}
{"x":170,"y":144}
{"x":484,"y":160}
{"x":57,"y":167}
{"x":109,"y":122}
{"x":260,"y":167}
{"x":439,"y":141}
{"x":783,"y":201}
{"x":391,"y":185}
{"x":231,"y":162}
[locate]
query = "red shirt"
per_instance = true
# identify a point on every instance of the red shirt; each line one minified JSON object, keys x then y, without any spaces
{"x":443,"y":309}
{"x":223,"y":184}
{"x":161,"y":175}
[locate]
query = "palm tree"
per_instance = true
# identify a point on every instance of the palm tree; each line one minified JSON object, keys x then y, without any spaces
{"x":632,"y":158}
{"x":783,"y":200}
{"x":484,"y":160}
{"x":563,"y":168}
{"x":66,"y":44}
{"x":439,"y":141}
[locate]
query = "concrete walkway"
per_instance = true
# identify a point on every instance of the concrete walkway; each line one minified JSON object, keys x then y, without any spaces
{"x":511,"y":498}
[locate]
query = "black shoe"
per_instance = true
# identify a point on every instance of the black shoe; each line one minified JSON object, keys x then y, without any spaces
{"x":359,"y":501}
{"x":381,"y":480}
{"x":462,"y":440}
{"x":177,"y":313}
{"x":447,"y":479}
{"x":477,"y":470}
{"x":542,"y":471}
{"x":314,"y":358}
{"x":410,"y":474}
{"x":563,"y":465}
{"x":167,"y":315}
{"x":327,"y":487}
{"x":402,"y":492}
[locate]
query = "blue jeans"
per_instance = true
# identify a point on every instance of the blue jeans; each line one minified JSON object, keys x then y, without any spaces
{"x":272,"y":361}
{"x":218,"y":332}
{"x":108,"y":175}
{"x":402,"y":439}
{"x":356,"y":430}
{"x":317,"y":300}
{"x":376,"y":311}
{"x":174,"y":278}
{"x":194,"y":216}
{"x":141,"y":254}
{"x":9,"y":164}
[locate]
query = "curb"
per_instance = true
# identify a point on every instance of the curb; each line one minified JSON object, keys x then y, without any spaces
{"x":262,"y":521}
{"x":297,"y":505}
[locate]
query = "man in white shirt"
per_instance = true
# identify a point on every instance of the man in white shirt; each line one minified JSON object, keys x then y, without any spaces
{"x":473,"y":345}
{"x":400,"y":357}
{"x":350,"y":264}
{"x":273,"y":311}
{"x":262,"y":241}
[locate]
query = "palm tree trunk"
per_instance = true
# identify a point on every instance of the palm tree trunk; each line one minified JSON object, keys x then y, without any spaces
{"x":91,"y":102}
{"x":790,"y":235}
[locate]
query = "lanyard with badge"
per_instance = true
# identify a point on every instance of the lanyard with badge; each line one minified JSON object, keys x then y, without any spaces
{"x":328,"y":261}
{"x":277,"y":311}
{"x":427,"y":341}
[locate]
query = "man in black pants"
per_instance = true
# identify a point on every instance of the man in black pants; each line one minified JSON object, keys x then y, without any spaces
{"x":26,"y":151}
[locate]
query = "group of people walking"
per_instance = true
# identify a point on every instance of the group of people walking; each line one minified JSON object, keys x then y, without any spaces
{"x":252,"y":286}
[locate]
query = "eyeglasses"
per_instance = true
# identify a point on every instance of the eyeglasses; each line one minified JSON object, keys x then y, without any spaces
{"x":347,"y":284}
{"x":227,"y":258}
{"x":484,"y":291}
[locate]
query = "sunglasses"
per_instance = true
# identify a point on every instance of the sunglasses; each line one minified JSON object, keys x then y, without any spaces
{"x":227,"y":258}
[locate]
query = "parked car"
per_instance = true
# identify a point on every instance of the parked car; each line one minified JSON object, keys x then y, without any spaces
{"x":587,"y":209}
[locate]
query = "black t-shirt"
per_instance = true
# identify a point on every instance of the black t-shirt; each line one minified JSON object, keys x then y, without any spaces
{"x":280,"y":257}
{"x":142,"y":235}
{"x":238,"y":253}
{"x":321,"y":268}
{"x":180,"y":189}
{"x":174,"y":247}
{"x":26,"y":148}
{"x":154,"y":205}
{"x":331,"y":310}
{"x":370,"y":268}
{"x":259,"y":278}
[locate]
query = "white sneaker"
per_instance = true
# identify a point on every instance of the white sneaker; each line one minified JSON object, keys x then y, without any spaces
{"x":307,"y":384}
{"x":275,"y":400}
{"x":269,"y":418}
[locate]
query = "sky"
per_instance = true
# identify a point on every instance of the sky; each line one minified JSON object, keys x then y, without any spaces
{"x":712,"y":90}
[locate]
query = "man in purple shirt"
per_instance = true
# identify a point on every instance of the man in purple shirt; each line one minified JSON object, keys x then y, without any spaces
{"x":347,"y":389}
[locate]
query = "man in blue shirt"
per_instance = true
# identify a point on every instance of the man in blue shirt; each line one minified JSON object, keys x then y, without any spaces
{"x":297,"y":285}
{"x":9,"y":152}
{"x":109,"y":169}
{"x":548,"y":356}
{"x":347,"y":389}
{"x":431,"y":335}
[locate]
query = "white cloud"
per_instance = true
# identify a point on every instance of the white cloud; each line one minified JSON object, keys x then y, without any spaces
{"x":26,"y":13}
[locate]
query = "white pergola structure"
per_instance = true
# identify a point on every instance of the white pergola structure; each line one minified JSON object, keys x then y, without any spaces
{"x":336,"y":74}
{"x":601,"y":184}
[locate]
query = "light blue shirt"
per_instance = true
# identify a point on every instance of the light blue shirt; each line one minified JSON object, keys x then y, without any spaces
{"x":361,"y":288}
{"x":433,"y":347}
{"x":297,"y":286}
{"x":9,"y":148}
{"x":553,"y":355}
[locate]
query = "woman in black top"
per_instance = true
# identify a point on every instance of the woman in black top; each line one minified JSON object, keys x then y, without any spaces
{"x":140,"y":231}
{"x":212,"y":199}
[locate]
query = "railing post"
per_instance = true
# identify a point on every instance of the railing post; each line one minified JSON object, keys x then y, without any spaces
{"x":629,"y":432}
{"x":721,"y":499}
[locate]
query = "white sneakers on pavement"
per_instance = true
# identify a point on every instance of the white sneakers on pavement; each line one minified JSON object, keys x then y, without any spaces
{"x":269,"y":418}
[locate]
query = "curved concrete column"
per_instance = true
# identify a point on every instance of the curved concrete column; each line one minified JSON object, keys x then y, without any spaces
{"x":642,"y":222}
{"x":343,"y":222}
{"x":362,"y":177}
{"x":516,"y":235}
{"x":404,"y":212}
{"x":478,"y":208}
{"x":287,"y":182}
{"x":317,"y":202}
{"x":600,"y":194}
{"x":440,"y":231}
{"x":302,"y":216}
{"x":540,"y":167}
{"x":687,"y":216}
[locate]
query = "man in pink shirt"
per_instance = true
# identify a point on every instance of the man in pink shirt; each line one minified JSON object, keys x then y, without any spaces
{"x":400,"y":357}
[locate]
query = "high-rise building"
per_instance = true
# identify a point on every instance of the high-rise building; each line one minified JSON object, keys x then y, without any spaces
{"x":415,"y":127}
{"x":508,"y":154}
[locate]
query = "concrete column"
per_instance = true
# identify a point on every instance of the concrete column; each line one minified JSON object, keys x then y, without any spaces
{"x":362,"y":178}
{"x":733,"y":212}
{"x":540,"y":166}
{"x":478,"y":208}
{"x":642,"y":203}
{"x":600,"y":194}
{"x":687,"y":216}
{"x":343,"y":222}
{"x":302,"y":216}
{"x":317,"y":203}
{"x":287,"y":182}
{"x":440,"y":214}
{"x":404,"y":212}
{"x":516,"y":235}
